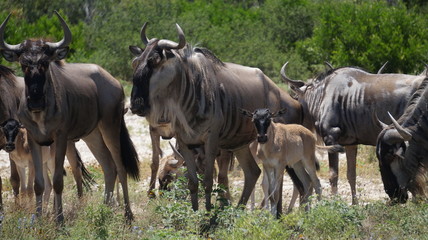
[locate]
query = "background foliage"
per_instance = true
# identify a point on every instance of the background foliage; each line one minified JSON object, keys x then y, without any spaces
{"x":258,"y":33}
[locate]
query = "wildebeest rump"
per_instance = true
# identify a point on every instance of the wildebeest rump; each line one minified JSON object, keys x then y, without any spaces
{"x":340,"y":105}
{"x":200,"y":96}
{"x":65,"y":102}
{"x":402,"y":149}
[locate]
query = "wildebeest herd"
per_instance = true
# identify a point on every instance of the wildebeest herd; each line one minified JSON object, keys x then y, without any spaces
{"x":216,"y":111}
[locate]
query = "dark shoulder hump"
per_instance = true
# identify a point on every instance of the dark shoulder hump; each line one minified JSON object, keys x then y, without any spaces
{"x":208,"y":54}
{"x":325,"y":74}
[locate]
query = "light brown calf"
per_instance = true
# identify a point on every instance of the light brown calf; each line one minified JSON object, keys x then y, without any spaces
{"x":285,"y":145}
{"x":15,"y":141}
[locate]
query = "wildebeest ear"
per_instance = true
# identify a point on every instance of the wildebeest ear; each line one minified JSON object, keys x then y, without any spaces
{"x":246,"y":112}
{"x":173,"y":163}
{"x":136,"y":51}
{"x":10,"y":56}
{"x":60,"y":53}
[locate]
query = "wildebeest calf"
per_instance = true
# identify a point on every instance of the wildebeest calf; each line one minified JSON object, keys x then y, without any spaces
{"x":16,"y":144}
{"x":285,"y":145}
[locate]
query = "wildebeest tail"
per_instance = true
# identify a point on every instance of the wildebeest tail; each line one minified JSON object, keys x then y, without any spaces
{"x":332,"y":148}
{"x":88,"y":179}
{"x":128,"y":153}
{"x":317,"y":164}
{"x":296,"y":181}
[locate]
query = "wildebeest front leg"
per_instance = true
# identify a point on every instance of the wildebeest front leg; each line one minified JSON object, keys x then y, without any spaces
{"x":333,"y":163}
{"x":156,"y":152}
{"x":351,"y":157}
{"x":58,"y":176}
{"x":192,"y":177}
{"x":39,"y":183}
{"x":211,"y":150}
{"x":251,"y":172}
{"x":96,"y":144}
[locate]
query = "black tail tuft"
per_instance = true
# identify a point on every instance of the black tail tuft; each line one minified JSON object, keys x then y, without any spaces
{"x":129,"y":154}
{"x":317,"y":164}
{"x":88,"y":179}
{"x":336,"y":149}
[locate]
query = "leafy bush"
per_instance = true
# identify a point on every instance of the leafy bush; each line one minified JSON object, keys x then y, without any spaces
{"x":367,"y":34}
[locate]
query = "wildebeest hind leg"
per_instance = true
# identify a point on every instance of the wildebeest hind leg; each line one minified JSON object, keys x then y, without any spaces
{"x":224,"y":162}
{"x":351,"y":163}
{"x":96,"y":144}
{"x":112,"y":140}
{"x":251,"y":172}
{"x":76,"y":167}
{"x":306,"y":182}
{"x":14,"y":178}
{"x":191,"y":173}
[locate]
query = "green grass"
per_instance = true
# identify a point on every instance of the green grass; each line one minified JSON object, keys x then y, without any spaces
{"x":171,"y":217}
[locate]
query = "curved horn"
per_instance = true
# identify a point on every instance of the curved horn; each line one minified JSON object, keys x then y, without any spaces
{"x":403,"y":132}
{"x":171,"y":44}
{"x":177,"y":154}
{"x":296,"y":83}
{"x":381,"y":68}
{"x":66,"y":40}
{"x":3,"y":44}
{"x":329,"y":65}
{"x":143,"y":34}
{"x":376,"y":120}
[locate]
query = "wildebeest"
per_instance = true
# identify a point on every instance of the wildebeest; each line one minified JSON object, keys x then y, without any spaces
{"x":11,"y":91}
{"x":340,"y":105}
{"x":285,"y":145}
{"x":16,"y":144}
{"x":65,"y":102}
{"x":170,"y":167}
{"x":402,"y":149}
{"x":200,"y":96}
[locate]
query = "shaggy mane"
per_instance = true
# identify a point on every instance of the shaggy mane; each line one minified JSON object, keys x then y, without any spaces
{"x":5,"y":71}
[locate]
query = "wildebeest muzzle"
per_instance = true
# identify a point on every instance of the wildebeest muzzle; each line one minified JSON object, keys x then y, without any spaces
{"x":35,"y":96}
{"x":138,"y":107}
{"x":9,"y":147}
{"x":262,"y":138}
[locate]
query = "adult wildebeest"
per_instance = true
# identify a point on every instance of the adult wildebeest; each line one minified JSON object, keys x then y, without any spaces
{"x":65,"y":102}
{"x":11,"y":90}
{"x":402,"y":149}
{"x":340,"y":105}
{"x":200,"y":96}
